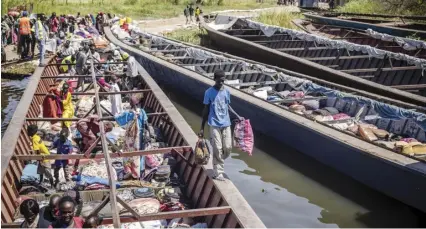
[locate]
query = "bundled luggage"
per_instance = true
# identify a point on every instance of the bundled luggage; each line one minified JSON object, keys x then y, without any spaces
{"x":202,"y":152}
{"x":243,"y":136}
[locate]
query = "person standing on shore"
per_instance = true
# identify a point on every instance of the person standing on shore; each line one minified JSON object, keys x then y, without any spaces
{"x":186,"y":13}
{"x":24,"y":34}
{"x":41,"y":35}
{"x":191,"y":13}
{"x":216,"y":106}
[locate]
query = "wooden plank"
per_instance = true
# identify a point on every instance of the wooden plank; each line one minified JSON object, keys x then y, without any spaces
{"x":100,"y":206}
{"x":383,"y":69}
{"x":340,"y":58}
{"x":126,"y":206}
{"x":206,"y":65}
{"x":110,"y":169}
{"x":248,"y":84}
{"x":103,"y":93}
{"x":235,"y":73}
{"x":178,"y":149}
{"x":174,"y":214}
{"x":410,"y":87}
{"x":167,"y":50}
{"x":108,"y":118}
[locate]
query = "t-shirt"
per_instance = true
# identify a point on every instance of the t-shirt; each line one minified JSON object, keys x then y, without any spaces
{"x":78,"y":223}
{"x":45,"y":218}
{"x":39,"y":145}
{"x":132,"y":69}
{"x":62,"y":148}
{"x":218,"y":101}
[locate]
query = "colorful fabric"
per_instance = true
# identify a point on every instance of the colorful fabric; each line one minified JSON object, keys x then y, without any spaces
{"x":243,"y":136}
{"x":68,"y":109}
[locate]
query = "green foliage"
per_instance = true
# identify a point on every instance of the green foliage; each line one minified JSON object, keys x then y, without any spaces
{"x":137,"y":9}
{"x":406,"y":7}
{"x":130,"y":2}
{"x":279,"y":18}
{"x":190,"y":35}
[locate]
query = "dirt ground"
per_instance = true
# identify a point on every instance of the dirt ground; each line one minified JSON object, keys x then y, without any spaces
{"x":168,"y":25}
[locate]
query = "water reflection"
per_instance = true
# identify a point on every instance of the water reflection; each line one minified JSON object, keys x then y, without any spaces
{"x":11,"y":92}
{"x":288,"y":189}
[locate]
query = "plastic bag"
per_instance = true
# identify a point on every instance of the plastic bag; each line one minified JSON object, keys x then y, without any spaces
{"x":202,"y":152}
{"x":243,"y":136}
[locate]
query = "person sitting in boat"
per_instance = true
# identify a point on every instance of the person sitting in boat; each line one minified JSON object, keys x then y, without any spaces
{"x":66,"y":50}
{"x":95,"y":55}
{"x":48,"y":214}
{"x":68,"y":108}
{"x":40,"y":148}
{"x":67,"y":218}
{"x":69,"y":60}
{"x":63,"y":146}
{"x":30,"y":209}
{"x":216,"y":104}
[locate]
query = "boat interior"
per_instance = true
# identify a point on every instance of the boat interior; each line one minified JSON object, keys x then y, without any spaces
{"x":162,"y":187}
{"x":291,"y":93}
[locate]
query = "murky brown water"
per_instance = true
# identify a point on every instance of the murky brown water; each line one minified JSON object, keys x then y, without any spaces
{"x":284,"y":187}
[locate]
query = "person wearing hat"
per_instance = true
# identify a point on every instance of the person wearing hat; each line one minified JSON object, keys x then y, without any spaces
{"x":132,"y":69}
{"x":67,"y":105}
{"x":24,"y":34}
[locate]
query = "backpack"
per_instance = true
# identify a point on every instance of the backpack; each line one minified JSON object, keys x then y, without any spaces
{"x":202,"y":152}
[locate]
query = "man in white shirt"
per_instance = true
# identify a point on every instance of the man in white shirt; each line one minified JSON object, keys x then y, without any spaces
{"x":132,"y":70}
{"x":67,"y":50}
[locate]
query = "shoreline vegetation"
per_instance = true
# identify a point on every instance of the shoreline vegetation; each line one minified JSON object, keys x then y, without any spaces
{"x":137,"y":9}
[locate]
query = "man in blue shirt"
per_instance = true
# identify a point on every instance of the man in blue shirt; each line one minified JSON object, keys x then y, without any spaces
{"x":64,"y":146}
{"x":216,"y":107}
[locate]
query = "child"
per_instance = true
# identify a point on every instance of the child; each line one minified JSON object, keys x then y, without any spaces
{"x":39,"y":148}
{"x":64,"y":146}
{"x":92,"y":222}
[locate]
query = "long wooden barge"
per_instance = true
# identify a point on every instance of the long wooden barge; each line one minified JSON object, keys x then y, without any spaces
{"x":379,"y":23}
{"x":360,"y":66}
{"x":190,"y":68}
{"x":411,"y":47}
{"x":219,"y":204}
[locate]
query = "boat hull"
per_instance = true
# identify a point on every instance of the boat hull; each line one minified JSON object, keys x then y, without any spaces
{"x":257,"y":52}
{"x":401,"y":32}
{"x":392,"y":174}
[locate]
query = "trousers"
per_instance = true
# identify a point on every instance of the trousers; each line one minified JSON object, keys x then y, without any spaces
{"x":25,"y":41}
{"x":42,"y":49}
{"x":66,"y":172}
{"x":221,"y":141}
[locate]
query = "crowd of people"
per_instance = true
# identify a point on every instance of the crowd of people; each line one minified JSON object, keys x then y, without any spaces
{"x":25,"y":30}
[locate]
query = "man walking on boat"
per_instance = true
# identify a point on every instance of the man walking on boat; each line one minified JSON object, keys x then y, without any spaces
{"x":216,"y":105}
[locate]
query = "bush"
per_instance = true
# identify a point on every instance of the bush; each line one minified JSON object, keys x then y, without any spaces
{"x":279,"y":18}
{"x":130,"y":2}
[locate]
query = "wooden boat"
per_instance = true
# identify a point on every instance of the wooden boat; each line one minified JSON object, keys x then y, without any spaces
{"x":219,"y":204}
{"x":379,"y":23}
{"x":365,"y":37}
{"x":190,"y":68}
{"x":362,"y":67}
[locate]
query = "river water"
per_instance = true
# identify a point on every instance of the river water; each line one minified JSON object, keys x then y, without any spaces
{"x":284,"y":187}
